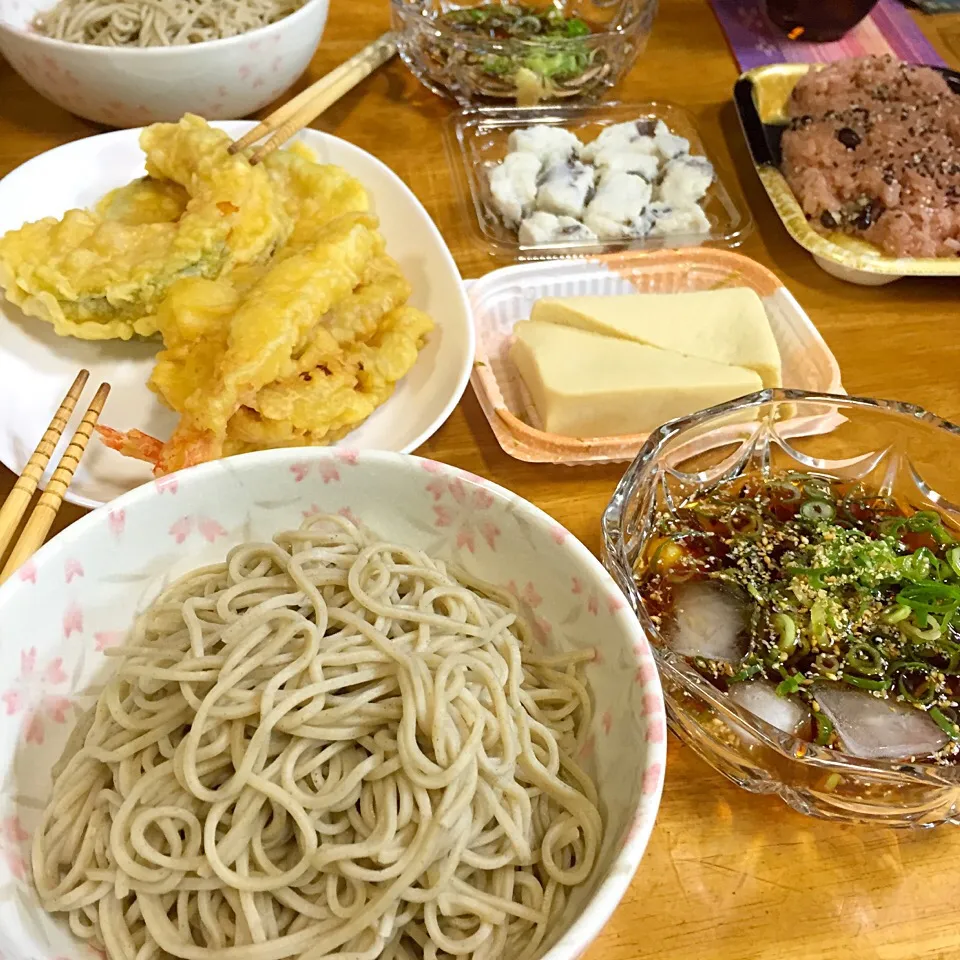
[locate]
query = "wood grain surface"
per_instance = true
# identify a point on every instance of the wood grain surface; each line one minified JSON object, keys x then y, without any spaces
{"x":728,"y":875}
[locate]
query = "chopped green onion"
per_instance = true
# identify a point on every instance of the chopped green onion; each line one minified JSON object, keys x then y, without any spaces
{"x":927,"y":695}
{"x":818,"y":510}
{"x":891,"y":526}
{"x":865,"y":658}
{"x":789,"y":684}
{"x":746,"y":672}
{"x":926,"y":521}
{"x":865,"y":683}
{"x":789,"y":492}
{"x":953,"y":558}
{"x":787,"y":631}
{"x":896,"y":614}
{"x":827,"y":663}
{"x":934,"y":633}
{"x":825,"y":728}
{"x":946,"y":724}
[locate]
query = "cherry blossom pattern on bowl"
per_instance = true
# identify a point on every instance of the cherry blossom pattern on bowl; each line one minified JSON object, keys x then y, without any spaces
{"x":132,"y":86}
{"x":78,"y":596}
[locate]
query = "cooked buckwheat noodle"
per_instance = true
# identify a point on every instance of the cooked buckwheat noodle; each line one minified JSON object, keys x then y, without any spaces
{"x":327,"y":746}
{"x":157,"y":23}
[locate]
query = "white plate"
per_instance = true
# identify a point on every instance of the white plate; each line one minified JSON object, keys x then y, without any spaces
{"x":37,"y":366}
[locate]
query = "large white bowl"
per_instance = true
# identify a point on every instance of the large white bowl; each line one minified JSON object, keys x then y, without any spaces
{"x":37,"y":366}
{"x":81,"y":592}
{"x":130,"y":86}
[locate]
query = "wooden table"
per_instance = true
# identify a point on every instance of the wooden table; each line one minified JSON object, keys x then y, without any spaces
{"x":728,"y":875}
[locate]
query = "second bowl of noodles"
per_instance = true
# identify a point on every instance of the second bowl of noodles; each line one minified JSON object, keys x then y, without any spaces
{"x":318,"y":702}
{"x":218,"y":60}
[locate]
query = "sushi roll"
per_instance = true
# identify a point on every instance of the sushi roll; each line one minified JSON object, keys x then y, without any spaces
{"x":544,"y":227}
{"x":513,"y":186}
{"x":685,"y":180}
{"x":615,"y":211}
{"x":667,"y":144}
{"x":668,"y":220}
{"x":615,"y":160}
{"x":565,"y":188}
{"x":550,"y":145}
{"x":634,"y":136}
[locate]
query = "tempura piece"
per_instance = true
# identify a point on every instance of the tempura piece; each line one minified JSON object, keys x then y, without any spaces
{"x":144,"y":201}
{"x":323,"y":405}
{"x":100,"y":279}
{"x":221,"y":349}
{"x":313,"y":193}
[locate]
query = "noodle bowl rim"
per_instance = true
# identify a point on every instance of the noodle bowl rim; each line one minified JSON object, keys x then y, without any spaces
{"x":31,"y":35}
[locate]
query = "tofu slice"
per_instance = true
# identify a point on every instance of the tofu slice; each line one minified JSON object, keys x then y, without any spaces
{"x":588,"y":385}
{"x":726,"y":326}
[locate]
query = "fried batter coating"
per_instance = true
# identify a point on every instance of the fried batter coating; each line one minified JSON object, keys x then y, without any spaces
{"x":100,"y":278}
{"x":221,"y":347}
{"x":323,"y":405}
{"x":144,"y":201}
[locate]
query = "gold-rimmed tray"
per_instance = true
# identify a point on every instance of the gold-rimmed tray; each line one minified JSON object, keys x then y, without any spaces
{"x":760,"y":96}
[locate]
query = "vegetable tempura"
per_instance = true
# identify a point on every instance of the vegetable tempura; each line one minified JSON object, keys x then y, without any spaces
{"x":284,"y":321}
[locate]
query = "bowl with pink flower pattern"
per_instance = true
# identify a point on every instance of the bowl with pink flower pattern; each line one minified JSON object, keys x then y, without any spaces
{"x":132,"y":86}
{"x":76,"y":599}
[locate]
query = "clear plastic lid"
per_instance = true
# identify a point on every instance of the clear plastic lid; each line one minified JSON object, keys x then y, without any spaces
{"x":476,"y":140}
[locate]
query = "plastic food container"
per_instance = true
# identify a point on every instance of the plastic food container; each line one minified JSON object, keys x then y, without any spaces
{"x":503,"y":297}
{"x":477,"y":139}
{"x":477,"y":70}
{"x":761,"y":97}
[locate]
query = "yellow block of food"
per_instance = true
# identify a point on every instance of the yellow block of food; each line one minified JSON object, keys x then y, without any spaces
{"x":588,"y":385}
{"x":725,"y":326}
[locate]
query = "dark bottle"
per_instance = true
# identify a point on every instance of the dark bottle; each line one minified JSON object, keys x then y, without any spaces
{"x":817,"y":21}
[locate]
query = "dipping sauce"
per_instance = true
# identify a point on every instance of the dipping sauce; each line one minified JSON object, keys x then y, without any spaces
{"x":539,"y":53}
{"x":827,"y":609}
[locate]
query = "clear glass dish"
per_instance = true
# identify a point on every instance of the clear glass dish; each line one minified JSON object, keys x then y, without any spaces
{"x":484,"y":70}
{"x":477,"y":139}
{"x":900,"y":449}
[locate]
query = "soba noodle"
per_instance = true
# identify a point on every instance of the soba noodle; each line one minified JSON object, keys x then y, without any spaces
{"x":327,"y":746}
{"x":158,"y":23}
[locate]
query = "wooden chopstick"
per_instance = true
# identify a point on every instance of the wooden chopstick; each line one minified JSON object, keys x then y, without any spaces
{"x":294,"y":115}
{"x":14,"y":507}
{"x":39,"y":522}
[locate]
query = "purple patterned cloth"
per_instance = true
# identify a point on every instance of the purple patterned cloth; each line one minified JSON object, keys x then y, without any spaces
{"x":755,"y":41}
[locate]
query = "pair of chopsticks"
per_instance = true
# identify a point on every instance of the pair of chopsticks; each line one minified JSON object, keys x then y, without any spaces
{"x":294,"y":115}
{"x":15,"y":506}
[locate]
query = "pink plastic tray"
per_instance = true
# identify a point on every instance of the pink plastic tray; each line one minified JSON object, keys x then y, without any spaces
{"x":503,"y":297}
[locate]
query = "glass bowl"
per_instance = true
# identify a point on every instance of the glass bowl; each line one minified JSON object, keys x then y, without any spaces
{"x":899,"y":449}
{"x":526,"y":72}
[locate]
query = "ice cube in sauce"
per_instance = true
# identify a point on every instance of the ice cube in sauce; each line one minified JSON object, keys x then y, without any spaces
{"x":708,"y":621}
{"x":877,"y":729}
{"x":760,"y":697}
